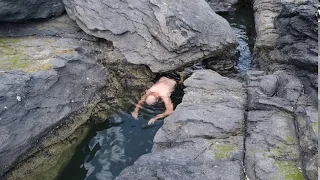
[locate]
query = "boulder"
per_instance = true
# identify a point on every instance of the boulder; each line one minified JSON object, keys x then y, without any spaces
{"x":199,"y":140}
{"x":163,"y":35}
{"x":16,"y":10}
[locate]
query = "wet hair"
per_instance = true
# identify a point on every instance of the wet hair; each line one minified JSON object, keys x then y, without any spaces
{"x":151,"y":99}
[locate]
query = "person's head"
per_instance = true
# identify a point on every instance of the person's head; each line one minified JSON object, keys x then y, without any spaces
{"x":151,"y":99}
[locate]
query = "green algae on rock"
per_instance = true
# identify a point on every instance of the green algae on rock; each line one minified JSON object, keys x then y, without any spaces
{"x":289,"y":170}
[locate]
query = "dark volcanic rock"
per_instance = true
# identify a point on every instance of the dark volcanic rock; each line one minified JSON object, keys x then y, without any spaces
{"x":199,"y":140}
{"x":287,"y":33}
{"x":164,"y":35}
{"x":15,"y":10}
{"x":51,"y":75}
{"x":298,"y":36}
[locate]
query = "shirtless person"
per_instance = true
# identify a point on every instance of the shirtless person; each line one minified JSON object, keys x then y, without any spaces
{"x":162,"y":89}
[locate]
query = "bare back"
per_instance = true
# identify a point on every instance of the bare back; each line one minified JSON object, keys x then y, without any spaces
{"x":164,"y":87}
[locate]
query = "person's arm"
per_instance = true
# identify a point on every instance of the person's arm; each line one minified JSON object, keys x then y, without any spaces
{"x":169,"y":109}
{"x":138,"y":105}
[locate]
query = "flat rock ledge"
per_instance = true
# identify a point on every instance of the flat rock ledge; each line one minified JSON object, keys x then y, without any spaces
{"x":163,"y":35}
{"x":203,"y":138}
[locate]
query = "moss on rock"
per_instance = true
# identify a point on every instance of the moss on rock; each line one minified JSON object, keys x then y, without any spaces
{"x":289,"y":170}
{"x":223,"y":151}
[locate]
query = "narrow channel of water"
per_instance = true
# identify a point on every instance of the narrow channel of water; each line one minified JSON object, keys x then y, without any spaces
{"x":117,"y":143}
{"x":242,"y":22}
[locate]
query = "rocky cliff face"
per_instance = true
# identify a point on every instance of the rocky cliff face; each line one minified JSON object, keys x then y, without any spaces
{"x":286,"y":33}
{"x":163,"y":35}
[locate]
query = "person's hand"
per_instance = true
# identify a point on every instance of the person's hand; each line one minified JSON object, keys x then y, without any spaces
{"x":151,"y":121}
{"x":134,"y":114}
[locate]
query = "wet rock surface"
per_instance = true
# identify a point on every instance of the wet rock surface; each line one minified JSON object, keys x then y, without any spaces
{"x":222,"y":6}
{"x":164,"y":35}
{"x":15,"y":10}
{"x":195,"y":142}
{"x":53,"y":75}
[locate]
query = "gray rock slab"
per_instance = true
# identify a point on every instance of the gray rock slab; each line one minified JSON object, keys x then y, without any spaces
{"x":163,"y":35}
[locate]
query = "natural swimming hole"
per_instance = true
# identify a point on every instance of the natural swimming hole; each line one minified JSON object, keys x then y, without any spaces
{"x":117,"y":143}
{"x":120,"y":140}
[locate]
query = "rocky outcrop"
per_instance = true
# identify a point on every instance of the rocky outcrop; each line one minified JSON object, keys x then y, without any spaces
{"x":199,"y":140}
{"x":54,"y":76}
{"x":15,"y":10}
{"x":286,"y":45}
{"x":163,"y":35}
{"x":282,"y":128}
{"x":222,"y":6}
{"x":286,"y":33}
{"x":204,"y":137}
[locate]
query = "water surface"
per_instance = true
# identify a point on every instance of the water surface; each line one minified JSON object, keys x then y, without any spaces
{"x":117,"y":143}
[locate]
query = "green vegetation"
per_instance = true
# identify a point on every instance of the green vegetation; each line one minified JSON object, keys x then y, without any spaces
{"x":289,"y":140}
{"x":289,"y":170}
{"x":315,"y":126}
{"x":223,"y":151}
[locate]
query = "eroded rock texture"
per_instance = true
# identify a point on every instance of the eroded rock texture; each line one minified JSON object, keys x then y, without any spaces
{"x":54,"y":76}
{"x":287,"y":39}
{"x":282,"y":128}
{"x":203,"y":138}
{"x":286,"y":33}
{"x":15,"y":10}
{"x":164,"y":35}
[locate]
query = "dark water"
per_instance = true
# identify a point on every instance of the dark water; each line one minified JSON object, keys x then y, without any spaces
{"x":242,"y":22}
{"x":117,"y":143}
